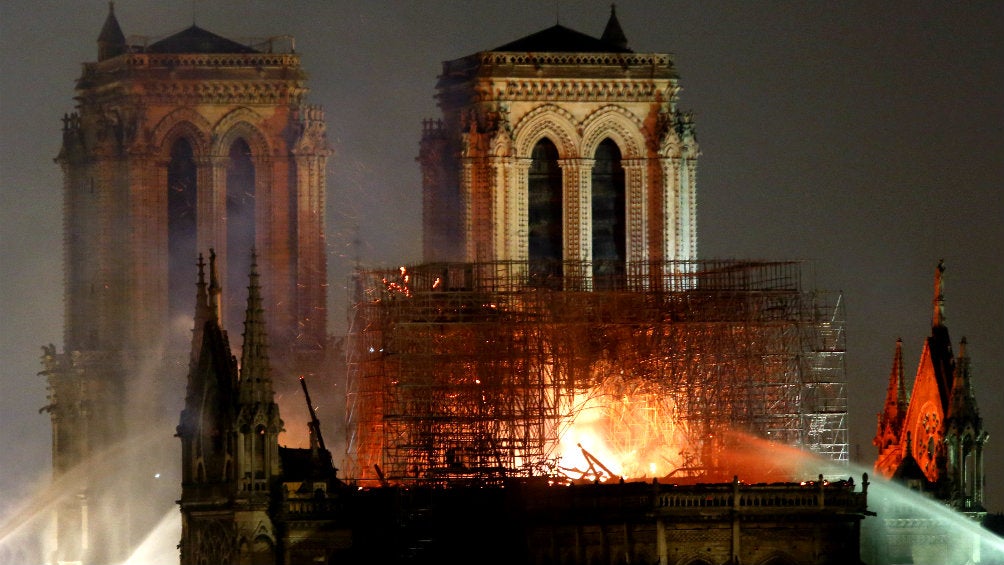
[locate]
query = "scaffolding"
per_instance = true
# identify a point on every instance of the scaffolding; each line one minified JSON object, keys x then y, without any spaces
{"x":478,"y":372}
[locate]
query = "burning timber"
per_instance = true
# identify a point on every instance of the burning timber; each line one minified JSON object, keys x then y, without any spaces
{"x":480,"y":372}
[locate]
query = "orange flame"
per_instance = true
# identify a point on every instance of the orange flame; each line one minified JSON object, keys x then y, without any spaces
{"x":619,"y":433}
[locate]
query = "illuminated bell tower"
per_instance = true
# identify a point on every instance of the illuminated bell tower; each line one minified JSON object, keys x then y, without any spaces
{"x":562,"y":151}
{"x":189,"y":142}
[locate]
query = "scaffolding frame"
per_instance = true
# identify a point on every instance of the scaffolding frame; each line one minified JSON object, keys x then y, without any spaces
{"x":471,"y":372}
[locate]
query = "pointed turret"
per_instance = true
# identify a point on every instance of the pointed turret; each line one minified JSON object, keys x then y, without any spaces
{"x":214,"y":288}
{"x":962,"y":404}
{"x":208,"y":412}
{"x":891,"y":419}
{"x":111,"y":40}
{"x":229,"y":435}
{"x":202,"y":312}
{"x":940,"y":344}
{"x":257,"y":412}
{"x":964,"y":438}
{"x":613,"y":33}
{"x":256,"y":378}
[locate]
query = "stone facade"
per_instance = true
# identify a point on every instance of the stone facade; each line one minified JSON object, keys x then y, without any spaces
{"x":572,"y":92}
{"x":187,"y":143}
{"x":227,"y":128}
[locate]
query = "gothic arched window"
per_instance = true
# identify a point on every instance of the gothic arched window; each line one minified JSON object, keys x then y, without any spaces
{"x":182,"y":217}
{"x":609,"y":243}
{"x":544,"y":191}
{"x":240,"y":230}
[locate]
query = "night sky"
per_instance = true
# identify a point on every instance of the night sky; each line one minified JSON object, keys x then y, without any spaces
{"x":867,"y":137}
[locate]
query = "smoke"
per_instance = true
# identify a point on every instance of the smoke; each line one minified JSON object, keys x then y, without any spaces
{"x":160,"y":545}
{"x":27,"y":534}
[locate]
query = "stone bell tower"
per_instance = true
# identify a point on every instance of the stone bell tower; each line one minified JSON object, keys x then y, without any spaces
{"x":563,"y":151}
{"x":189,"y":142}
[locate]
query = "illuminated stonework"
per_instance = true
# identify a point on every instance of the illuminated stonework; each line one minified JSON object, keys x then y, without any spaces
{"x":933,"y":440}
{"x":576,"y":92}
{"x":172,"y":152}
{"x":178,"y":145}
{"x":561,"y":281}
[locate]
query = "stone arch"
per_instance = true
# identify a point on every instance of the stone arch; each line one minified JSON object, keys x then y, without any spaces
{"x":182,"y":122}
{"x":240,"y":123}
{"x":617,"y":124}
{"x":243,"y":207}
{"x":547,"y":121}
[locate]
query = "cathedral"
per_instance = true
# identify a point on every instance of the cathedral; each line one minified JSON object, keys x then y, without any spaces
{"x":538,"y":201}
{"x":559,"y":191}
{"x":559,"y":222}
{"x":185,"y":143}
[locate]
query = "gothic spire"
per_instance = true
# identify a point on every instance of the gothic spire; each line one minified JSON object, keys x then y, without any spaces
{"x":895,"y":410}
{"x":212,"y":377}
{"x":964,"y":437}
{"x":895,"y":398}
{"x":202,"y":311}
{"x":938,"y":319}
{"x":256,"y":379}
{"x":940,"y":344}
{"x":613,"y":33}
{"x":111,"y":40}
{"x":214,"y":288}
{"x":962,"y":407}
{"x":901,"y":399}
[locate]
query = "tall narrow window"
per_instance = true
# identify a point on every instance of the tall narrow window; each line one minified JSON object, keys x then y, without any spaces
{"x":545,"y":206}
{"x":182,"y":191}
{"x":970,"y":474}
{"x":240,"y":231}
{"x":609,"y":242}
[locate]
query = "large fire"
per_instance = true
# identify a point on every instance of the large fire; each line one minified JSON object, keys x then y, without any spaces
{"x":628,"y":429}
{"x":622,"y":428}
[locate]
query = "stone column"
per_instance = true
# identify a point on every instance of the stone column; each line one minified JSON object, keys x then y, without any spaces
{"x":467,"y":208}
{"x":687,"y":243}
{"x":519,"y":196}
{"x":671,"y":229}
{"x":636,"y":209}
{"x":576,"y":175}
{"x":311,"y":256}
{"x":500,"y":210}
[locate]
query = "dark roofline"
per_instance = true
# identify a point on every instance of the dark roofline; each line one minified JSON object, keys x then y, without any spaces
{"x":197,"y":40}
{"x":560,"y":39}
